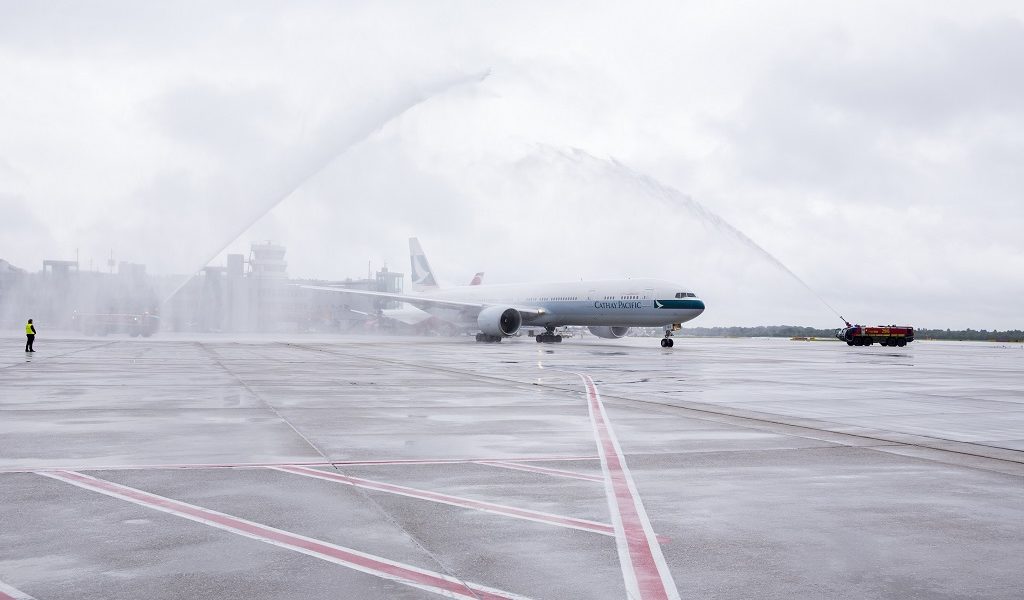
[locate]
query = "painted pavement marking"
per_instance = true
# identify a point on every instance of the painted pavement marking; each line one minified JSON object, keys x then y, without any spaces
{"x":646,"y":574}
{"x":9,"y":593}
{"x":430,"y":581}
{"x":260,"y":465}
{"x":490,"y":507}
{"x":167,"y":466}
{"x":516,"y":466}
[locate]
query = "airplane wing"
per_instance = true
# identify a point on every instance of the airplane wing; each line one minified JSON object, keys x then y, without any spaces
{"x":469,"y":309}
{"x":406,"y":315}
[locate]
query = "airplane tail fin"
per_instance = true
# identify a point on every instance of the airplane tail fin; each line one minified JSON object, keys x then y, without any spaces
{"x":477,"y":279}
{"x":422,"y":276}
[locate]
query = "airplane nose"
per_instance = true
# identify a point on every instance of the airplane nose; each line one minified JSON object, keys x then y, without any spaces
{"x":699,"y":307}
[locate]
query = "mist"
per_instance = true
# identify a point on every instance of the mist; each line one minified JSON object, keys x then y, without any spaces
{"x":775,"y":183}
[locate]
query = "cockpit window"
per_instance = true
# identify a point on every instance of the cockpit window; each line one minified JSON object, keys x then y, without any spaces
{"x":685,"y":295}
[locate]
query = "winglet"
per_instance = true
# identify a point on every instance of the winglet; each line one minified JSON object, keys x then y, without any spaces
{"x":422,"y":275}
{"x":477,"y":279}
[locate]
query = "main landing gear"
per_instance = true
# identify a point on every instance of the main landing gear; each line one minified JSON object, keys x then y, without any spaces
{"x":548,"y":337}
{"x":666,"y":342}
{"x":488,"y":338}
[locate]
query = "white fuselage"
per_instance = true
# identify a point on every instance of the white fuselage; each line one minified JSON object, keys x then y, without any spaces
{"x":618,"y":303}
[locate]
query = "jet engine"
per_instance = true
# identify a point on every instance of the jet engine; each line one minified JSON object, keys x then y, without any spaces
{"x":501,"y":321}
{"x":609,"y":333}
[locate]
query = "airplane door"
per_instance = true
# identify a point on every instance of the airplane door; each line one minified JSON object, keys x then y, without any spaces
{"x":649,"y":294}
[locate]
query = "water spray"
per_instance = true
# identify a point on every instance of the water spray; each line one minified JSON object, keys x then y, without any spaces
{"x":320,"y":161}
{"x":678,"y":198}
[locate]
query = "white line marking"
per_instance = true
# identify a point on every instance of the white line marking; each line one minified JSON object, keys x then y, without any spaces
{"x":515,"y":466}
{"x":430,"y":581}
{"x":260,"y":465}
{"x":644,"y":569}
{"x":489,"y":507}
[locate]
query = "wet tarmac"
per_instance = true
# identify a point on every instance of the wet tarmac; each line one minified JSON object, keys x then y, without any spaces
{"x":420,"y":468}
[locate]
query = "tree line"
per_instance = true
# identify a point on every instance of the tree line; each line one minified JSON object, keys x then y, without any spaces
{"x":979,"y":335}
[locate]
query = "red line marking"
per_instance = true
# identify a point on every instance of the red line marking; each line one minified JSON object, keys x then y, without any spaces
{"x":500,"y":509}
{"x":643,"y":565}
{"x":544,"y":470}
{"x":360,"y":561}
{"x":10,"y":593}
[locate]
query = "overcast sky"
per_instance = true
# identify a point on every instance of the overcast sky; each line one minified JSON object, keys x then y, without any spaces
{"x":876,"y":149}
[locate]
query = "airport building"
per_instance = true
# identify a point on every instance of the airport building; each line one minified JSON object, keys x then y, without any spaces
{"x":63,"y":297}
{"x":255,"y":294}
{"x":247,"y":294}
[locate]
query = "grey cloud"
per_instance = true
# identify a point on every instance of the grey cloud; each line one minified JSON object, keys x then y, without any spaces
{"x":943,"y":73}
{"x":842,"y":111}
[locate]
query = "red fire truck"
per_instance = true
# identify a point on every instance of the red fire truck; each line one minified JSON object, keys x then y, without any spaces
{"x":886,"y":335}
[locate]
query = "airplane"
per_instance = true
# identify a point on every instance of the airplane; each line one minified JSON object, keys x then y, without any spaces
{"x":608,"y":308}
{"x":410,"y":315}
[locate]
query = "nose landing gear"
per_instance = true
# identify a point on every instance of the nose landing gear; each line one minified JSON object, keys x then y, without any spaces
{"x":666,"y":342}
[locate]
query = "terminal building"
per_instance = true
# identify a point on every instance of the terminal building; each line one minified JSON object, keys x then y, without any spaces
{"x":60,"y":294}
{"x":247,"y":294}
{"x":255,"y":294}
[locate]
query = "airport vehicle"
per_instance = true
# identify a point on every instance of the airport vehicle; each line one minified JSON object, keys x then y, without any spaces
{"x":134,"y":324}
{"x":885,"y":335}
{"x":607,"y":308}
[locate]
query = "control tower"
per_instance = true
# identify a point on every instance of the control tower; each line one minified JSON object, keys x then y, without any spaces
{"x":272,"y":298}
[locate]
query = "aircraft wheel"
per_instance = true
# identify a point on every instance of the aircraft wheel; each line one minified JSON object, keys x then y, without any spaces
{"x":664,"y":342}
{"x":539,"y":339}
{"x":557,"y":339}
{"x":671,"y":342}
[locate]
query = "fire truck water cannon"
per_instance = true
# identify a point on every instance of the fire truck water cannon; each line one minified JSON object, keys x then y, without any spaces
{"x":885,"y":335}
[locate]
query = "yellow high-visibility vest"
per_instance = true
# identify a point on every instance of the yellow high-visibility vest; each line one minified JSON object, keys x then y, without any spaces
{"x":28,"y":329}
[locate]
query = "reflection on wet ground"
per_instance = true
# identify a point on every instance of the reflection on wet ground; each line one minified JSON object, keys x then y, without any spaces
{"x":168,"y":467}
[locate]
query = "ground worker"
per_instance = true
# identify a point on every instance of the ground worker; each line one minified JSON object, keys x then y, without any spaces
{"x":30,"y":335}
